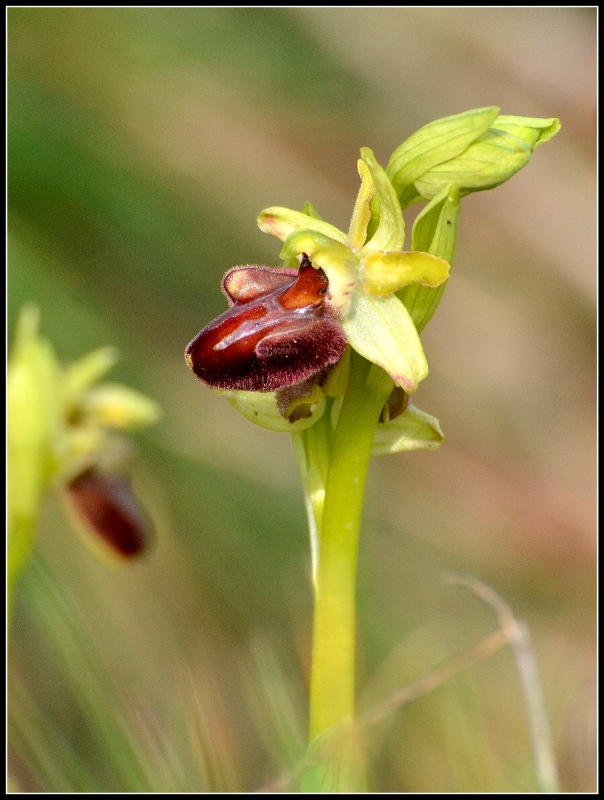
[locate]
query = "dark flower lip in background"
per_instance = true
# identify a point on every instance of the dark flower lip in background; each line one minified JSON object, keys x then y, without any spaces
{"x":107,"y":508}
{"x":279,"y":331}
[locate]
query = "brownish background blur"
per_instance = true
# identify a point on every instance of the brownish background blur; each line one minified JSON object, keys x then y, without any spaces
{"x":142,"y":145}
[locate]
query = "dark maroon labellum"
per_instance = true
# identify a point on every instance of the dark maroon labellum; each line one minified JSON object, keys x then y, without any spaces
{"x":278,"y":331}
{"x":108,"y":509}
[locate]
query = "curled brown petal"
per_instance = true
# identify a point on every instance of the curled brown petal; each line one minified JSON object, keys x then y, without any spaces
{"x":279,"y":331}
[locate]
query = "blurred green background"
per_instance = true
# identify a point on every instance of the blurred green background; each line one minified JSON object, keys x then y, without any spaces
{"x":142,"y":145}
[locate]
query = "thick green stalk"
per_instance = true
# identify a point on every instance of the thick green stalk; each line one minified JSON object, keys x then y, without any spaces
{"x":333,"y":651}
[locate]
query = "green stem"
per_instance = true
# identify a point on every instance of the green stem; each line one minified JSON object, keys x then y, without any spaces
{"x":333,"y":651}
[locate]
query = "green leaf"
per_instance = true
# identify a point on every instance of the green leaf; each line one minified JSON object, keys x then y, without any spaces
{"x":433,"y":144}
{"x":381,"y":330}
{"x":282,"y":222}
{"x":390,"y":233}
{"x":411,"y":430}
{"x":385,"y":273}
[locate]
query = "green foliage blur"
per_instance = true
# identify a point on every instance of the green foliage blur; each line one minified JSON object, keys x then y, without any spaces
{"x":142,"y":144}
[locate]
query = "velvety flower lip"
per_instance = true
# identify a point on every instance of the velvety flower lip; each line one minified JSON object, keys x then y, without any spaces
{"x":279,"y":331}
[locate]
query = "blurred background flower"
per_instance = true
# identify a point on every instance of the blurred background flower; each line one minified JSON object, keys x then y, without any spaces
{"x":143,"y":143}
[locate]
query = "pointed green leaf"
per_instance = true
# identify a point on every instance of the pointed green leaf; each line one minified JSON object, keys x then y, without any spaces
{"x":411,"y":430}
{"x":532,"y":130}
{"x":282,"y":222}
{"x":433,"y":144}
{"x":361,"y":214}
{"x":385,"y":273}
{"x":390,"y":233}
{"x":434,"y":231}
{"x":381,"y":330}
{"x":489,"y":161}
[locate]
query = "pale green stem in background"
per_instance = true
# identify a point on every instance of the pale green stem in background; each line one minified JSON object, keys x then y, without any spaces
{"x":311,"y":447}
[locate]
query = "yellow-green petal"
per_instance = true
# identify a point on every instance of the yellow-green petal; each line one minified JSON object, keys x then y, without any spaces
{"x":282,"y":222}
{"x":390,"y":233}
{"x":381,"y":330}
{"x":411,"y":430}
{"x":361,"y":214}
{"x":385,"y":273}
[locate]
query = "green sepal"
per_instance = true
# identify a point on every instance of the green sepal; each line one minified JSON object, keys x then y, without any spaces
{"x":385,"y":273}
{"x":262,"y":408}
{"x":282,"y":222}
{"x":488,"y":162}
{"x":411,"y":430}
{"x":433,"y":144}
{"x":390,"y":233}
{"x":434,"y":231}
{"x":381,"y":330}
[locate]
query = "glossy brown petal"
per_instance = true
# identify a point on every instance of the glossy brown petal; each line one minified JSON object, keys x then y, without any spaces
{"x":278,"y":331}
{"x":106,"y":506}
{"x":243,"y":284}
